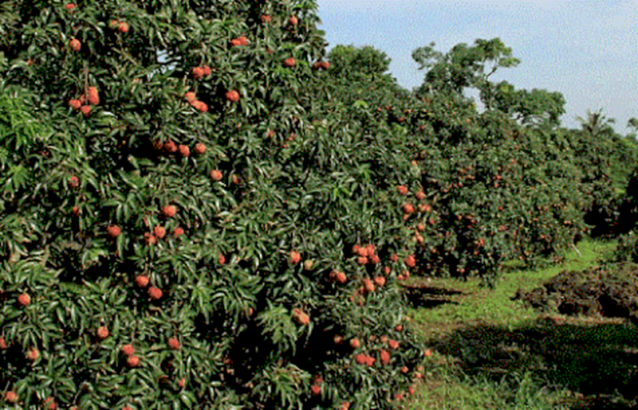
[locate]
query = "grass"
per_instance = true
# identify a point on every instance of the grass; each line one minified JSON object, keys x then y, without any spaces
{"x":492,"y":352}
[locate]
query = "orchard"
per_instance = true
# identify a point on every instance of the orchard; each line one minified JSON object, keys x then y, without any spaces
{"x":202,"y":208}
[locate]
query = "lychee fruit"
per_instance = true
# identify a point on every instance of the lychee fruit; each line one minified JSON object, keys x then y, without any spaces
{"x":75,"y":44}
{"x":184,"y":151}
{"x":102,"y":332}
{"x":232,"y":96}
{"x":293,"y":20}
{"x":24,"y":299}
{"x":93,"y":96}
{"x":173,"y":343}
{"x":133,"y":361}
{"x":75,"y":104}
{"x":86,"y":110}
{"x":289,"y":62}
{"x":295,"y":257}
{"x":142,"y":281}
{"x":11,"y":397}
{"x":199,"y":148}
{"x":128,"y":350}
{"x":33,"y":354}
{"x":169,"y":211}
{"x":114,"y":231}
{"x":355,"y":343}
{"x":159,"y":231}
{"x":177,"y":232}
{"x":155,"y":293}
{"x":216,"y":175}
{"x":123,"y":27}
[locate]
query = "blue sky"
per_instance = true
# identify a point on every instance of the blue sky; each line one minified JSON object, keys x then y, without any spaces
{"x":586,"y":49}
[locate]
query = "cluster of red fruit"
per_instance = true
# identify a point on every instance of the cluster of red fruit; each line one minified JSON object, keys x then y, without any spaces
{"x":87,"y":99}
{"x":195,"y":103}
{"x":201,"y":72}
{"x":120,"y":26}
{"x":239,"y":41}
{"x":321,"y":65}
{"x":366,"y":254}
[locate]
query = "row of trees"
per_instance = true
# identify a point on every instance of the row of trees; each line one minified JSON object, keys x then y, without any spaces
{"x":204,"y":209}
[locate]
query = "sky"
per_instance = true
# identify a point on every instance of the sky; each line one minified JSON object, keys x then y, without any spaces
{"x":585,"y":49}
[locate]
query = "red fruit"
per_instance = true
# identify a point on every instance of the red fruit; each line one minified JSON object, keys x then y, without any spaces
{"x":394,"y":257}
{"x":411,"y":389}
{"x":3,"y":344}
{"x":198,"y":73}
{"x":408,"y":209}
{"x":150,"y":238}
{"x":123,"y":27}
{"x":301,"y":317}
{"x":200,"y":106}
{"x":379,"y":280}
{"x":159,"y":231}
{"x":393,"y":344}
{"x":345,"y":405}
{"x":368,"y":285}
{"x":75,"y":44}
{"x":75,"y":104}
{"x":207,"y":70}
{"x":169,"y":211}
{"x":216,"y":175}
{"x":235,"y":42}
{"x":155,"y":293}
{"x":199,"y":148}
{"x":404,"y":370}
{"x":419,"y":195}
{"x":403,"y":190}
{"x":170,"y":146}
{"x":102,"y":332}
{"x":49,"y":403}
{"x":316,"y":389}
{"x":133,"y":361}
{"x":69,"y":6}
{"x":76,"y":210}
{"x":114,"y":231}
{"x":370,"y":361}
{"x":177,"y":232}
{"x":232,"y":96}
{"x":410,"y":261}
{"x":142,"y":281}
{"x":295,"y":257}
{"x":338,"y":339}
{"x":374,"y":259}
{"x":173,"y":343}
{"x":11,"y":397}
{"x":265,"y":18}
{"x":190,"y":97}
{"x":362,"y":260}
{"x":114,"y":24}
{"x":289,"y":62}
{"x":428,"y":352}
{"x":93,"y":96}
{"x":325,"y":65}
{"x":128,"y":350}
{"x":86,"y":110}
{"x":355,"y":343}
{"x":222,"y":259}
{"x":181,"y":383}
{"x":361,"y":358}
{"x":126,"y":408}
{"x":339,"y":277}
{"x":293,"y":20}
{"x":385,"y":357}
{"x":399,"y":396}
{"x":398,"y":328}
{"x":33,"y":354}
{"x":24,"y":299}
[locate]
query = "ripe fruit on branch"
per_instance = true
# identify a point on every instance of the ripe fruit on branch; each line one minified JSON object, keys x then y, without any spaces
{"x":133,"y":361}
{"x":24,"y":299}
{"x":361,"y":358}
{"x":190,"y":97}
{"x":393,"y":344}
{"x":170,"y":147}
{"x":33,"y":354}
{"x":173,"y":343}
{"x":410,"y":261}
{"x":232,"y":96}
{"x":301,"y":317}
{"x":419,"y":195}
{"x":75,"y":44}
{"x":355,"y":343}
{"x":338,"y":339}
{"x":199,"y":148}
{"x":3,"y":344}
{"x":316,"y":389}
{"x":222,"y":259}
{"x":266,"y":18}
{"x":49,"y":403}
{"x":181,"y":383}
{"x":76,"y":211}
{"x":289,"y":62}
{"x":216,"y":175}
{"x":123,"y":27}
{"x":155,"y":293}
{"x":69,"y":6}
{"x":403,"y":190}
{"x":150,"y":239}
{"x":169,"y":211}
{"x":239,"y":41}
{"x":114,"y":231}
{"x":159,"y":231}
{"x":11,"y":397}
{"x":368,"y":285}
{"x":102,"y":332}
{"x":142,"y":281}
{"x":85,"y":110}
{"x":93,"y":96}
{"x":128,"y":350}
{"x":385,"y":357}
{"x":200,"y":106}
{"x":338,"y":276}
{"x":177,"y":232}
{"x":184,"y":151}
{"x":408,"y":209}
{"x":295,"y":257}
{"x":75,"y":104}
{"x":379,"y":280}
{"x":293,"y":20}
